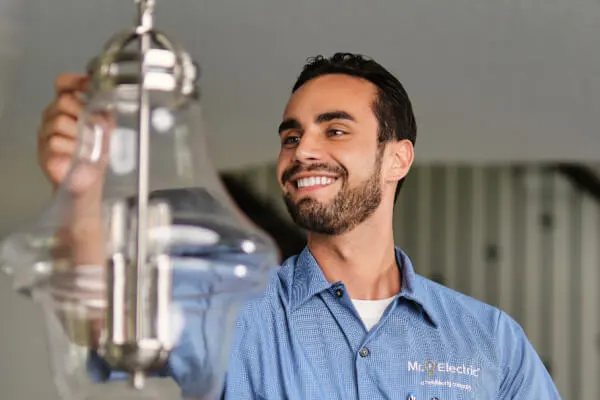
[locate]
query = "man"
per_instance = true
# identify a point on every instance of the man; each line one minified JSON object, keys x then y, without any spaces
{"x":348,"y":318}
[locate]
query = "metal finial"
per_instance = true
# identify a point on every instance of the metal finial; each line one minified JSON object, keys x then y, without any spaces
{"x":145,"y":14}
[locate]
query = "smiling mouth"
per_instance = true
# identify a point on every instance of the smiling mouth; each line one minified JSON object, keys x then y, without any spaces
{"x":314,"y":182}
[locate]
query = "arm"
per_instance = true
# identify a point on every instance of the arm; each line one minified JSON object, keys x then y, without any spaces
{"x":80,"y":234}
{"x":80,"y":249}
{"x":524,"y":374}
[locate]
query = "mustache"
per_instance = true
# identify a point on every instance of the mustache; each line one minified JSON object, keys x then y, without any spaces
{"x":297,"y":168}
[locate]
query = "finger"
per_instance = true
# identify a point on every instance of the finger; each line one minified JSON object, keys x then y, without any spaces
{"x":62,"y":125}
{"x":70,"y":83}
{"x":56,"y":169}
{"x":67,"y":103}
{"x":60,"y":146}
{"x":55,"y":166}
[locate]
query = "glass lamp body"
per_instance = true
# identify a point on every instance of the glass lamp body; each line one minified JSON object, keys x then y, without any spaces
{"x":202,"y":257}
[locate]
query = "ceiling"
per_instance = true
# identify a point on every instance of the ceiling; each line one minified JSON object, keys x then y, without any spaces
{"x":491,"y":81}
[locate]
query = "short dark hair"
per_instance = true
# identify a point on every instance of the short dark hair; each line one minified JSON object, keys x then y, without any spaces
{"x":392,"y":107}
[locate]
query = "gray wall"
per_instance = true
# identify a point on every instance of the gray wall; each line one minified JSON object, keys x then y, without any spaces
{"x":490,"y":80}
{"x":23,"y":357}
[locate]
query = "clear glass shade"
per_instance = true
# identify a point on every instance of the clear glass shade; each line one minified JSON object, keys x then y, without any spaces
{"x":201,"y":259}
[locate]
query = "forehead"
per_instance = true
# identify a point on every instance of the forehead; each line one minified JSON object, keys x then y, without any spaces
{"x":332,"y":92}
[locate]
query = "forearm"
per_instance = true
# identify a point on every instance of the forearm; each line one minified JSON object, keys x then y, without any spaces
{"x":83,"y":229}
{"x":78,"y":284}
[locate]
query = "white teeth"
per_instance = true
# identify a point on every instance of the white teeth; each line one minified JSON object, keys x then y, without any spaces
{"x":314,"y":181}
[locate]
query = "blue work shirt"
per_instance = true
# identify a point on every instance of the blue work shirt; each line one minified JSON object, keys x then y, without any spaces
{"x":303,"y":339}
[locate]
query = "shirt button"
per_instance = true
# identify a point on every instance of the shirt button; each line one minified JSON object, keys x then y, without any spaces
{"x":364,"y":352}
{"x":339,"y":292}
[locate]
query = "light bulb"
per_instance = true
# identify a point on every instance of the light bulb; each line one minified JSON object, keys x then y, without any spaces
{"x":141,"y":260}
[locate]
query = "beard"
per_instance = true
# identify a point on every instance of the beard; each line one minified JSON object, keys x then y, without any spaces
{"x":349,"y":208}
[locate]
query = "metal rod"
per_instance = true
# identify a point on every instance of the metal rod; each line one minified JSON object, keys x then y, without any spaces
{"x":143,"y":180}
{"x":138,"y":336}
{"x":117,"y":274}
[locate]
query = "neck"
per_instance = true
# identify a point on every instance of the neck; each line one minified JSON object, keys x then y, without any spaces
{"x":364,"y":258}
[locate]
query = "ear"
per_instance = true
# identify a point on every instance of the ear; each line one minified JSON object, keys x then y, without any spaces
{"x":401,"y":155}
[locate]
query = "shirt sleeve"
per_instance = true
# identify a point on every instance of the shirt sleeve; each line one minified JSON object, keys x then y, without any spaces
{"x":195,"y":363}
{"x":524,"y":374}
{"x":99,"y":371}
{"x":244,"y":374}
{"x":188,"y":365}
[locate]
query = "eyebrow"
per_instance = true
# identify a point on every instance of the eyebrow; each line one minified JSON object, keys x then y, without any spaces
{"x":332,"y":115}
{"x":292,"y":123}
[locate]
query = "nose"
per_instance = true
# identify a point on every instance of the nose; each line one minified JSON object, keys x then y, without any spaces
{"x":310,"y":148}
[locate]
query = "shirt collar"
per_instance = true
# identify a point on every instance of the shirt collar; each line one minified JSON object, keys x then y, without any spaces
{"x":308,"y":280}
{"x":414,"y":288}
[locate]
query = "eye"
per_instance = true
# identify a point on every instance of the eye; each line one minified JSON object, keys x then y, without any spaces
{"x":290,"y":140}
{"x":335,"y":132}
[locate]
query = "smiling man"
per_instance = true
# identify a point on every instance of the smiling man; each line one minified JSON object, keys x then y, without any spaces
{"x":348,"y":317}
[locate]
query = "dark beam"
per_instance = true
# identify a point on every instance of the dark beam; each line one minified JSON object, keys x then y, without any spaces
{"x":289,"y":238}
{"x":584,"y":178}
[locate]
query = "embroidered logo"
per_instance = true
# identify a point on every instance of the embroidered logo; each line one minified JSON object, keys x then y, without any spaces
{"x":445,"y":374}
{"x":431,"y":367}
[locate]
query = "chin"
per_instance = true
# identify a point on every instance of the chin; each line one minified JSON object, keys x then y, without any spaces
{"x":320,"y":196}
{"x":311,"y":201}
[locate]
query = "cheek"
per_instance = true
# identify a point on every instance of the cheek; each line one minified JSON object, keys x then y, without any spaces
{"x":358,"y":155}
{"x":361,"y":170}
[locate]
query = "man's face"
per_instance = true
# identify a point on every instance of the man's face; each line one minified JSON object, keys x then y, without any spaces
{"x":329,"y":166}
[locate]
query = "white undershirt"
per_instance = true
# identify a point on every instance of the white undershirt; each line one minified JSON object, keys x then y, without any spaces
{"x":370,"y":311}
